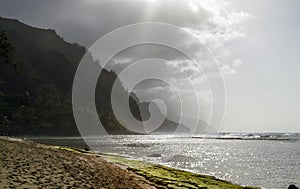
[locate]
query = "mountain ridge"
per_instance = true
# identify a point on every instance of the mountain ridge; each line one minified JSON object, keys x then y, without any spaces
{"x":36,"y":100}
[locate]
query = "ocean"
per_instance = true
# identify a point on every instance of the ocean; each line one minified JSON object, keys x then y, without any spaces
{"x":267,"y":160}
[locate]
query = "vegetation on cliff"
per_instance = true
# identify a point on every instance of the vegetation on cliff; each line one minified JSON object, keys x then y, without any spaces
{"x":37,"y":68}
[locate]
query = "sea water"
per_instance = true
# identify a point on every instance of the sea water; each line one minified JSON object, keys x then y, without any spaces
{"x":263,"y":160}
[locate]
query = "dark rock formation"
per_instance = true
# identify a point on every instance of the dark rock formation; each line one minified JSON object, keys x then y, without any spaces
{"x":292,"y":186}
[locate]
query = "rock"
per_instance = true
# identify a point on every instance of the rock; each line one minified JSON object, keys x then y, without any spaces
{"x":292,"y":186}
{"x":154,"y":155}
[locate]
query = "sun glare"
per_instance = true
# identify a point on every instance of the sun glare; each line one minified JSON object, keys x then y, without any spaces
{"x":151,"y":1}
{"x":194,"y":6}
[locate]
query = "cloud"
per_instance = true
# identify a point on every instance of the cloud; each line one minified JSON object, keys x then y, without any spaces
{"x":214,"y":22}
{"x":226,"y":69}
{"x":237,"y":63}
{"x":224,"y":31}
{"x":186,"y":65}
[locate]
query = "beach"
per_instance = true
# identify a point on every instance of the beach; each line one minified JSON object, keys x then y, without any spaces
{"x":27,"y":164}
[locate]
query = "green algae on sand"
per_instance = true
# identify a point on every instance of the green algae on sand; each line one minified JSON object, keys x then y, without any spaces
{"x":165,"y":177}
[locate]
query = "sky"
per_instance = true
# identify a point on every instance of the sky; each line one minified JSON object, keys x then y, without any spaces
{"x":255,"y":44}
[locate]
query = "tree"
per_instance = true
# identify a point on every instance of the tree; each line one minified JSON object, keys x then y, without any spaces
{"x":6,"y":50}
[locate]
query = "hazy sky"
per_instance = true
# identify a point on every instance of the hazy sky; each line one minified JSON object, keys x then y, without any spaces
{"x":255,"y":42}
{"x":265,"y":93}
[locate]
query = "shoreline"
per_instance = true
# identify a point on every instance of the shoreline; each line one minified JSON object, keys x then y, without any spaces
{"x":170,"y":177}
{"x":33,"y":165}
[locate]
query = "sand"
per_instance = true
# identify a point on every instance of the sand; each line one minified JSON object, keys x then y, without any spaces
{"x":26,"y":164}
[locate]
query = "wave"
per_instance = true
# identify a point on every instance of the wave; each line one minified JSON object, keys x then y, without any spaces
{"x":251,"y":136}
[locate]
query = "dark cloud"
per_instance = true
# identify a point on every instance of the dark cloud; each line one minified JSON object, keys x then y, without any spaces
{"x":84,"y":21}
